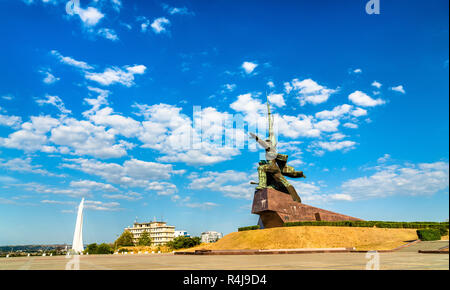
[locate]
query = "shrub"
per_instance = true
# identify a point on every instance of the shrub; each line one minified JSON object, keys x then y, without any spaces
{"x":442,"y":227}
{"x":443,"y":230}
{"x":94,"y":249}
{"x":91,"y":249}
{"x":104,"y":249}
{"x":145,"y":239}
{"x":183,"y":242}
{"x":429,"y":234}
{"x":250,"y":228}
{"x":125,"y":240}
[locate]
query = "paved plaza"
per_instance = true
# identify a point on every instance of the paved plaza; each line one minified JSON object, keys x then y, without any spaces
{"x":356,"y":261}
{"x":404,"y":259}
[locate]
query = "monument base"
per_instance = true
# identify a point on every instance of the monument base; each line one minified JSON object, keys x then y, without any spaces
{"x":275,"y":208}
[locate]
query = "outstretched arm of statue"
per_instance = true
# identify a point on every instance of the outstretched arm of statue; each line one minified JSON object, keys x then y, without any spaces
{"x":291,"y":172}
{"x":298,"y":174}
{"x":260,"y":141}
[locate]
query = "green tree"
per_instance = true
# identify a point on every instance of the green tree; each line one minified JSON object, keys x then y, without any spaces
{"x":144,"y":239}
{"x":196,"y":241}
{"x":125,"y":240}
{"x":182,"y":242}
{"x":104,"y":249}
{"x":91,"y":249}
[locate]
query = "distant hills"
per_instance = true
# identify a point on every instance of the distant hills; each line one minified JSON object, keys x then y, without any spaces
{"x":33,"y":248}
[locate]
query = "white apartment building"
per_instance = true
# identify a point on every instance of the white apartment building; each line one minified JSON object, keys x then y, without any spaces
{"x":160,"y":232}
{"x":210,"y":237}
{"x":181,"y":233}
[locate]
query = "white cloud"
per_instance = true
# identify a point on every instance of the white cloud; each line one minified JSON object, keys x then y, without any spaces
{"x":90,"y":16}
{"x":337,"y":136}
{"x":133,"y":173}
{"x":55,"y":101}
{"x":136,"y":69}
{"x":172,"y":134}
{"x":384,"y":158}
{"x":126,"y":196}
{"x":8,"y":179}
{"x":277,"y":100}
{"x":327,"y":125}
{"x":248,"y":66}
{"x":93,"y":185}
{"x":117,"y":4}
{"x":287,"y":87}
{"x":124,"y":126}
{"x":70,"y":61}
{"x":399,"y":89}
{"x":290,"y":126}
{"x":270,"y":84}
{"x":337,"y":145}
{"x":337,"y":112}
{"x":108,"y":34}
{"x":44,"y":189}
{"x":230,"y":183}
{"x":296,"y":162}
{"x":376,"y":84}
{"x":101,"y":206}
{"x":10,"y":121}
{"x":160,"y":24}
{"x":361,"y":99}
{"x":357,"y":71}
{"x":102,"y":99}
{"x":59,"y":202}
{"x":49,"y":77}
{"x":341,"y":111}
{"x":311,"y":92}
{"x":175,"y":10}
{"x":229,"y":87}
{"x":7,"y":97}
{"x":358,"y":112}
{"x":145,"y":24}
{"x":53,"y":2}
{"x":341,"y":196}
{"x":350,"y":125}
{"x":203,"y":205}
{"x":32,"y":136}
{"x":24,"y":165}
{"x":84,"y":138}
{"x":408,"y":179}
{"x":297,"y":126}
{"x":115,"y":75}
{"x":251,"y":107}
{"x":310,"y":192}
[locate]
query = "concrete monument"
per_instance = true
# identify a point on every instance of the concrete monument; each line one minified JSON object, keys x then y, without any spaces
{"x":77,"y":244}
{"x":276,"y":201}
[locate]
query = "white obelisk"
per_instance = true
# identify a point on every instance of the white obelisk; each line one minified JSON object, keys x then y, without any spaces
{"x":77,"y":244}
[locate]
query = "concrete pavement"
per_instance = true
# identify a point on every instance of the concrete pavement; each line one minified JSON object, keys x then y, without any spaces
{"x":357,"y":261}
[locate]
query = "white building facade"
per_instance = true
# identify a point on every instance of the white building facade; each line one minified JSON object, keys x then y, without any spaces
{"x":181,"y":233}
{"x":160,"y":232}
{"x":211,"y":237}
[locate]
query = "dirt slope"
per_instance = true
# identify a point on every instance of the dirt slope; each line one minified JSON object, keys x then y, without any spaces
{"x":314,"y":237}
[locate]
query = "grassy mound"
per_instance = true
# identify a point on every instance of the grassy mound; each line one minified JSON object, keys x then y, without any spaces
{"x":313,"y":237}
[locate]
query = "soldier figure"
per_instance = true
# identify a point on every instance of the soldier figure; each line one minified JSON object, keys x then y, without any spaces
{"x":271,"y":171}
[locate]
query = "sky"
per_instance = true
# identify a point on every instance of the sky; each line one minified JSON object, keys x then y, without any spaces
{"x":128,"y":104}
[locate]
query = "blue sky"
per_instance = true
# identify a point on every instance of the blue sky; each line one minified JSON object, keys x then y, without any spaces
{"x":100,"y":104}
